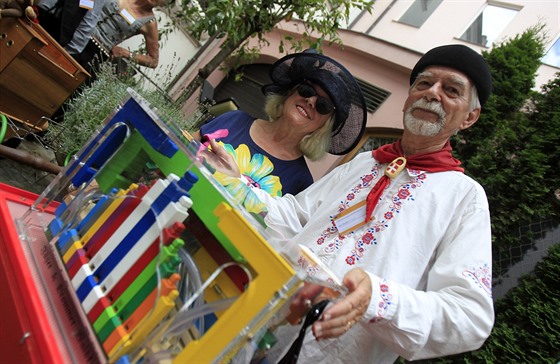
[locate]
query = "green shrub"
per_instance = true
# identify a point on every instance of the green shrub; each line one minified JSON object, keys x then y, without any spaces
{"x":91,"y":105}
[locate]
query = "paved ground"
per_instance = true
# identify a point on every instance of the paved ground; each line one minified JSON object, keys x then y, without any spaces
{"x":23,"y":176}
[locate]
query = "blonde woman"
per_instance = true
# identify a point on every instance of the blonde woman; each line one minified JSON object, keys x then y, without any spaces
{"x":314,"y":106}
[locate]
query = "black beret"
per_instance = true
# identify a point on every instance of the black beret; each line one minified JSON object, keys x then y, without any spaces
{"x":461,"y":58}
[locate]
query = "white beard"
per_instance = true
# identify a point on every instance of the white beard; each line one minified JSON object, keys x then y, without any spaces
{"x":423,"y":127}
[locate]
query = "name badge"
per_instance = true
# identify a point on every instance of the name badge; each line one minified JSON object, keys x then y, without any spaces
{"x":127,"y":16}
{"x":351,"y":218}
{"x":86,"y":4}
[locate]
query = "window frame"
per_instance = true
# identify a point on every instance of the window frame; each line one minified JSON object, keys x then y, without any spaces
{"x":410,"y":9}
{"x":475,"y":19}
{"x":555,"y":44}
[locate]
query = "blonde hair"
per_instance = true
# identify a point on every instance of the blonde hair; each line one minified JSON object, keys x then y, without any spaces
{"x":315,"y":145}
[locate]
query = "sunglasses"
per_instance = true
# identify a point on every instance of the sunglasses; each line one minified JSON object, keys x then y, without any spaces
{"x":323,"y":105}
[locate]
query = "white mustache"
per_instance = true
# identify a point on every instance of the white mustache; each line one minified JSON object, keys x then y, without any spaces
{"x":433,"y":106}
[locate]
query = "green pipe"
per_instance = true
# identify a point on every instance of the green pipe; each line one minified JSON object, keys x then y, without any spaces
{"x":3,"y":127}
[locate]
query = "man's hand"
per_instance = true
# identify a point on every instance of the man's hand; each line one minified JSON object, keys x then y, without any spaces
{"x":340,"y":316}
{"x":303,"y":301}
{"x":345,"y":313}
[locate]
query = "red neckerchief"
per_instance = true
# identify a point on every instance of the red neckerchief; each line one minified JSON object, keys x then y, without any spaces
{"x":438,"y":161}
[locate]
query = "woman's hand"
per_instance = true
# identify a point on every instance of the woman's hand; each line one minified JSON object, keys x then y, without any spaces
{"x":220,"y":160}
{"x":120,"y":52}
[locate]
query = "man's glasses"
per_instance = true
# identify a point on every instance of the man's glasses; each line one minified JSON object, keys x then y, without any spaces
{"x":323,"y":105}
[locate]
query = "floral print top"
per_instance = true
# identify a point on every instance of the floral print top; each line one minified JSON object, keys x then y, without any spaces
{"x":259,"y":169}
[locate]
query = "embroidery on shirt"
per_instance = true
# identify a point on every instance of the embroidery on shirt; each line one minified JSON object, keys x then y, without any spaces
{"x":404,"y":193}
{"x":481,"y":277}
{"x":369,"y":237}
{"x":304,"y":263}
{"x":365,"y":182}
{"x":385,"y":300}
{"x":313,"y":270}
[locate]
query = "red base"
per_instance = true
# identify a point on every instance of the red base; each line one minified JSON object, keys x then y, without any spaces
{"x":25,"y":331}
{"x":40,"y":322}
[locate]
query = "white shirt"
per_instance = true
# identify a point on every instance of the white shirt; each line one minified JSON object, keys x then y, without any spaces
{"x":427,"y":251}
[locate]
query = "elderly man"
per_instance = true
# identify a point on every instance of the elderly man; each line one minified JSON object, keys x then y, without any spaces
{"x":403,"y":228}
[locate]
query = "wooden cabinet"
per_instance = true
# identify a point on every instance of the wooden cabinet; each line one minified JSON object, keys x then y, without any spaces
{"x":36,"y":74}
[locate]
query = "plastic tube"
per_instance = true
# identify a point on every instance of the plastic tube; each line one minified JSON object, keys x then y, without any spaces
{"x":191,"y":309}
{"x":183,"y":320}
{"x":193,"y":273}
{"x":3,"y":127}
{"x":192,"y":282}
{"x":69,"y":157}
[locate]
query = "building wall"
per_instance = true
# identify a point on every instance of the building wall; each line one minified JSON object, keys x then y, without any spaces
{"x":381,"y":50}
{"x":451,"y":19}
{"x":378,"y":68}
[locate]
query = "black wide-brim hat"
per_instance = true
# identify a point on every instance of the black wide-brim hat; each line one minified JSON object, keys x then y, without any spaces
{"x":338,"y":83}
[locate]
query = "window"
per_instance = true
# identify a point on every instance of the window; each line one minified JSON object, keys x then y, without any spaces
{"x":246,"y":91}
{"x":419,"y":11}
{"x":373,"y":95}
{"x":552,"y":57}
{"x":489,"y":24}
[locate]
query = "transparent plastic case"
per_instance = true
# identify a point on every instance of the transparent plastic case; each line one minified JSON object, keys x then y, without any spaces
{"x":121,"y":261}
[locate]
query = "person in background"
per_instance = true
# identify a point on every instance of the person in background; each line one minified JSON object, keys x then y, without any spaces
{"x":404,"y":230}
{"x":314,"y":106}
{"x":70,"y":22}
{"x":90,"y":31}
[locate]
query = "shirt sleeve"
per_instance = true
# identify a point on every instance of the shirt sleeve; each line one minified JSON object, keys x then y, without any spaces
{"x":84,"y":31}
{"x":455,"y":312}
{"x":48,"y":5}
{"x":287,"y":215}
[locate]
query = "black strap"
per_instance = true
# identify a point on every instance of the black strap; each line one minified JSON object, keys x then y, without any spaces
{"x":313,"y":315}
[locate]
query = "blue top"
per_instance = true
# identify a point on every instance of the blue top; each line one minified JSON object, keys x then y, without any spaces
{"x":276,"y":176}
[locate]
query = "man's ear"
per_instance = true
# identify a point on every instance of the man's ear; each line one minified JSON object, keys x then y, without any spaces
{"x":472,"y":118}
